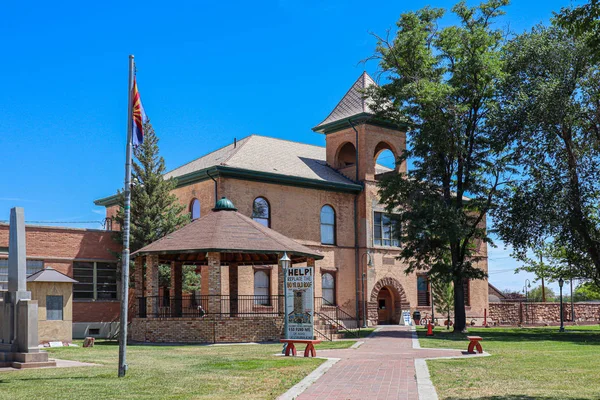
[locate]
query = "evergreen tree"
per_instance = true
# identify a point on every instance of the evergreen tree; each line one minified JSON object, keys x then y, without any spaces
{"x":155,"y":211}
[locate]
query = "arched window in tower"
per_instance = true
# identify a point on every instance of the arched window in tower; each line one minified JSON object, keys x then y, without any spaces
{"x":195,"y":209}
{"x":261,"y":211}
{"x":261,"y":288}
{"x":346,"y":156}
{"x":385,"y":160}
{"x":328,"y":289}
{"x":327,"y":225}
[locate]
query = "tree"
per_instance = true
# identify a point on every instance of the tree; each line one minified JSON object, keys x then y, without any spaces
{"x":442,"y":85}
{"x":443,"y":293}
{"x":587,"y":291}
{"x":512,"y":294}
{"x":190,"y":279}
{"x":155,"y":211}
{"x":542,"y":270}
{"x":551,"y":108}
{"x":537,"y":294}
{"x":583,"y":21}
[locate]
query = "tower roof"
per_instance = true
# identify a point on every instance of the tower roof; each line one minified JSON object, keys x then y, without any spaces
{"x":352,"y":104}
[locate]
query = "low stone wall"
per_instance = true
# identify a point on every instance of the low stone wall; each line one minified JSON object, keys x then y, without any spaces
{"x":206,"y":330}
{"x":542,"y":313}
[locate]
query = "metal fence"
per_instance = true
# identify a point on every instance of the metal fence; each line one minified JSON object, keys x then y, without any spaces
{"x":199,"y":306}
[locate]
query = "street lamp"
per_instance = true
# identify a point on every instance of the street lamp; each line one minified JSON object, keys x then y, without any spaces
{"x":560,"y":285}
{"x":285,"y":263}
{"x":364,"y":299}
{"x":527,"y":286}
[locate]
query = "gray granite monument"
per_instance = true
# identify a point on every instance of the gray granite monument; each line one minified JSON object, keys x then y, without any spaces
{"x":19,"y":345}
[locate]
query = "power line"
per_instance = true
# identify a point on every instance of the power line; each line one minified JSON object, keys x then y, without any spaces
{"x":59,"y":222}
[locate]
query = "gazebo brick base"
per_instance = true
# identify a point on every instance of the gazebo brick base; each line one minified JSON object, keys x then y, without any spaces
{"x":206,"y":330}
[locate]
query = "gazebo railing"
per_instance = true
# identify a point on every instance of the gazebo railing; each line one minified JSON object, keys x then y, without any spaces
{"x":199,"y":306}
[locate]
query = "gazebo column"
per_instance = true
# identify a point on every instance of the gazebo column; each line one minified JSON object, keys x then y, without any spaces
{"x":204,"y":280}
{"x":176,"y":287}
{"x":151,"y":286}
{"x":233,"y":289}
{"x":138,"y":282}
{"x":214,"y":283}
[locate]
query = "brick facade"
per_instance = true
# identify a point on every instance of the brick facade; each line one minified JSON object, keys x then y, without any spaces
{"x":59,"y":247}
{"x":206,"y":330}
{"x":295,"y":212}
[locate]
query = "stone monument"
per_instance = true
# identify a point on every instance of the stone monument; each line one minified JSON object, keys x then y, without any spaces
{"x":19,"y":345}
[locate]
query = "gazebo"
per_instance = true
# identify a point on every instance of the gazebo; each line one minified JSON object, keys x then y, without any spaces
{"x":226,"y":247}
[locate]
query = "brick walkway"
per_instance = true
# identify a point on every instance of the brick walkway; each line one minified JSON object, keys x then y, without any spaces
{"x":382,"y":368}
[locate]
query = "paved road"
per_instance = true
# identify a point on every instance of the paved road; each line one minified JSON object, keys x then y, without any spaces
{"x":382,"y":368}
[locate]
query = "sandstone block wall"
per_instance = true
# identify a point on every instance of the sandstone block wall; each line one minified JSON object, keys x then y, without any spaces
{"x":542,"y":313}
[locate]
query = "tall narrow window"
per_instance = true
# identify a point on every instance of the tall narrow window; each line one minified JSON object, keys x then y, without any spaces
{"x":385,"y":230}
{"x":261,"y":288}
{"x":261,"y":212}
{"x":327,"y":225}
{"x":328,"y":289}
{"x":54,"y":308}
{"x":423,"y":294}
{"x":95,"y":281}
{"x":195,"y":209}
{"x":467,"y":290}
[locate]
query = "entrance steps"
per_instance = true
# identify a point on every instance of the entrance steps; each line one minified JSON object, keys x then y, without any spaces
{"x":326,"y":331}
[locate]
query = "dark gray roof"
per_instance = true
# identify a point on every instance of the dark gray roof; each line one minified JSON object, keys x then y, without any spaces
{"x":353,"y":102}
{"x":267,"y":154}
{"x":50,"y":275}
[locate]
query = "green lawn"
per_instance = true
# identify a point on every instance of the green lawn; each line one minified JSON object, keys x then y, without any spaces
{"x":526,"y":363}
{"x":175,"y":372}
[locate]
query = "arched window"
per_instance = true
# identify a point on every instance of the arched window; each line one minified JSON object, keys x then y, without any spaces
{"x":328,"y":289}
{"x":195,"y":209}
{"x":327,"y":225}
{"x":261,"y":288}
{"x":261,"y":212}
{"x":346,"y":155}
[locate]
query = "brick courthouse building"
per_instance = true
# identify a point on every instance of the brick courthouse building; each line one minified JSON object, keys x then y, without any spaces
{"x":324,"y":198}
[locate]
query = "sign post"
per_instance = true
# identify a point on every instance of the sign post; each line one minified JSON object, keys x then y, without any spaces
{"x":299,"y":303}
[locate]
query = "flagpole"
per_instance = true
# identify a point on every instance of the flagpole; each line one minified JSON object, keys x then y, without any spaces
{"x":125,"y":256}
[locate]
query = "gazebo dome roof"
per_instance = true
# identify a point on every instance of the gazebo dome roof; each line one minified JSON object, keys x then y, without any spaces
{"x":224,"y":204}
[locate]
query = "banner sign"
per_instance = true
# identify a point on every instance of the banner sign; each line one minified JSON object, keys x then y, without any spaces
{"x":299,"y":303}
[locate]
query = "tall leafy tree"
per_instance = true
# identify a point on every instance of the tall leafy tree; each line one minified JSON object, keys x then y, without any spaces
{"x":583,"y":21}
{"x":551,"y":107}
{"x":442,"y":83}
{"x":543,"y":270}
{"x":155,"y":211}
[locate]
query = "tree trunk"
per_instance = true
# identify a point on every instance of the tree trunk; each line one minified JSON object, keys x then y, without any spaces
{"x":460,"y":315}
{"x":543,"y":290}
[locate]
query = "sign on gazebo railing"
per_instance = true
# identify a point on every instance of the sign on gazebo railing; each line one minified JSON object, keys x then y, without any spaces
{"x":299,"y":303}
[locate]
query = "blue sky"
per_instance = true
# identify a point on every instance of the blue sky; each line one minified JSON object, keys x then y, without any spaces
{"x":207,"y":72}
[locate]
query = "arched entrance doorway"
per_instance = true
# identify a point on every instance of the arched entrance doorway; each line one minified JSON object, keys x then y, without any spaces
{"x":386,"y":302}
{"x":385,"y":306}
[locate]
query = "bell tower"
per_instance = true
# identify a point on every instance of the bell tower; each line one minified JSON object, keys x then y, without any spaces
{"x":355,"y":137}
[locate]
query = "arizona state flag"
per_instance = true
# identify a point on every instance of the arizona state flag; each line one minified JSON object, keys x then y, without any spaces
{"x":139,"y":116}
